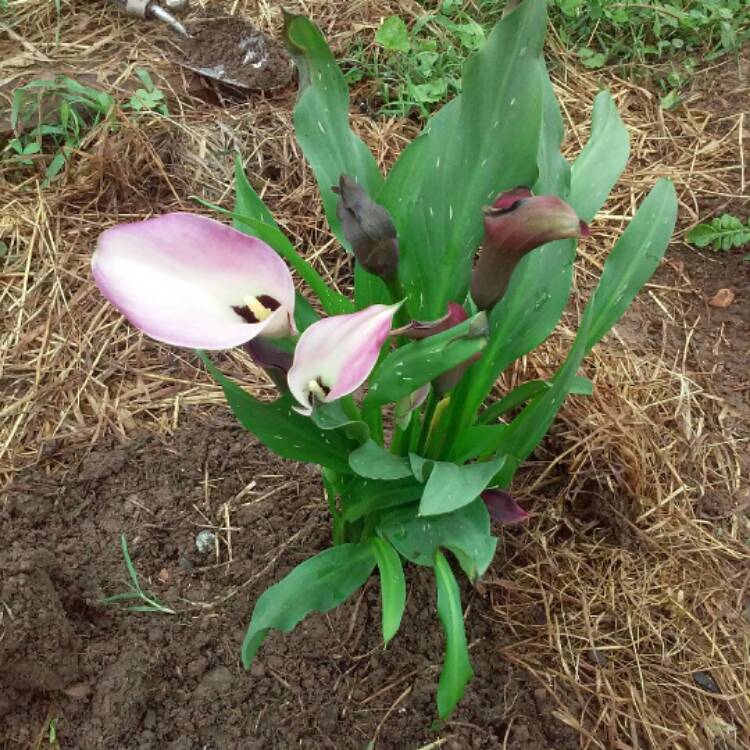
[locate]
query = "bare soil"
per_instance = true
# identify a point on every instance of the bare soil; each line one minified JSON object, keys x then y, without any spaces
{"x":244,"y":55}
{"x":121,"y":679}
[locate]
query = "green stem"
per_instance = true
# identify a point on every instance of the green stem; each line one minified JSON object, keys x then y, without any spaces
{"x":437,"y":432}
{"x":330,"y":481}
{"x":429,"y":413}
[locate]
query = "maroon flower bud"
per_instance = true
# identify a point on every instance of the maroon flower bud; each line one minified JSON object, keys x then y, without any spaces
{"x":514,"y":225}
{"x":503,"y":507}
{"x":368,"y":228}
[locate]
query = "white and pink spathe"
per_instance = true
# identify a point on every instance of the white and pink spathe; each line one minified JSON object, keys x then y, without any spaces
{"x":179,"y":278}
{"x":334,"y":356}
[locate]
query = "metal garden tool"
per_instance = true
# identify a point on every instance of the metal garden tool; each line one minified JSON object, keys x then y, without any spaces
{"x":228,"y":50}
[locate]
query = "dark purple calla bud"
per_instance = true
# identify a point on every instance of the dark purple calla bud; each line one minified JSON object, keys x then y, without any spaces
{"x":275,"y":361}
{"x":422,"y":329}
{"x":503,"y":508}
{"x":368,"y":228}
{"x":515,"y":224}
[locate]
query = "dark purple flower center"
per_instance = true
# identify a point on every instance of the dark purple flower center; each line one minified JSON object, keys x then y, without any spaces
{"x":247,"y":314}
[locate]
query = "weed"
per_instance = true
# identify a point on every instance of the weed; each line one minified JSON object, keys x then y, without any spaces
{"x":415,"y":68}
{"x":150,"y":98}
{"x":52,"y":117}
{"x":723,"y":232}
{"x":150,"y":602}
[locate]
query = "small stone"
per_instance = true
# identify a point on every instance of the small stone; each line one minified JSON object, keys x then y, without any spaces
{"x":704,"y":681}
{"x":205,"y":541}
{"x":723,"y":298}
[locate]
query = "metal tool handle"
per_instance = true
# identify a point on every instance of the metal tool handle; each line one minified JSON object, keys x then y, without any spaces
{"x":149,"y":9}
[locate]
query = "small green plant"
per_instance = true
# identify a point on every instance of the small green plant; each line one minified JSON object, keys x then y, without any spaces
{"x":52,"y":118}
{"x":150,"y":98}
{"x":421,"y":66}
{"x":150,"y":602}
{"x":724,"y":232}
{"x":416,"y":67}
{"x":52,"y":733}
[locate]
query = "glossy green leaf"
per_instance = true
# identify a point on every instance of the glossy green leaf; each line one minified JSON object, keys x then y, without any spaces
{"x":364,"y":496}
{"x":633,"y":259}
{"x":321,"y":122}
{"x":598,"y":167}
{"x":465,"y":532}
{"x":251,"y":216}
{"x":540,"y":286}
{"x":372,"y":461}
{"x":321,"y":118}
{"x":247,"y":202}
{"x":281,"y":429}
{"x":457,"y":671}
{"x":332,"y":416}
{"x":451,"y":486}
{"x":582,"y":386}
{"x":317,"y":585}
{"x":526,"y":431}
{"x":392,"y":586}
{"x":482,"y":143}
{"x":413,"y":365}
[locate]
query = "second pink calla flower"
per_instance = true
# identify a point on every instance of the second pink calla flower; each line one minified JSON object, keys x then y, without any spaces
{"x":335,"y":355}
{"x":191,"y":281}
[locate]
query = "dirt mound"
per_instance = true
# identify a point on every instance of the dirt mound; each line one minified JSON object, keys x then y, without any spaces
{"x":111,"y":678}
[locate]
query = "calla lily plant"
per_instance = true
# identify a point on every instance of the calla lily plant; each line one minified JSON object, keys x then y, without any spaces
{"x":462,"y":259}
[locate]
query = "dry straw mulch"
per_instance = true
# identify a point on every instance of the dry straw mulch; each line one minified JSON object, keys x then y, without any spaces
{"x":614,"y":614}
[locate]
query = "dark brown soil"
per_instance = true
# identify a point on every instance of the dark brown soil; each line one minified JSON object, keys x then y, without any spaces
{"x":118,"y":679}
{"x":236,"y":52}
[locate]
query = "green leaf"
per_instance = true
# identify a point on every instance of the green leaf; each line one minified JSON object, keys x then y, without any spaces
{"x":317,"y":585}
{"x":247,"y":203}
{"x":483,"y":142}
{"x":281,"y":429}
{"x":540,"y":285}
{"x":392,"y":586}
{"x":582,"y":386}
{"x":393,"y":35}
{"x":633,"y":259}
{"x":252,"y":217}
{"x":465,"y":532}
{"x":526,"y":431}
{"x":364,"y":496}
{"x":321,"y":122}
{"x":332,"y":416}
{"x":457,"y":671}
{"x":722,"y":233}
{"x":598,"y":167}
{"x":450,"y":486}
{"x":413,"y":365}
{"x":372,"y":461}
{"x":321,"y":118}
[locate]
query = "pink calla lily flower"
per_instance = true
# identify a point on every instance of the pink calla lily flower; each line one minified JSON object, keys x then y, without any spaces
{"x":335,"y":355}
{"x":191,"y":281}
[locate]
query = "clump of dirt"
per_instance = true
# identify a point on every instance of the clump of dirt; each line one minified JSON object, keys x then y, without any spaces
{"x":113,"y":678}
{"x":237,"y":53}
